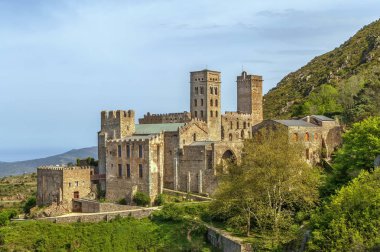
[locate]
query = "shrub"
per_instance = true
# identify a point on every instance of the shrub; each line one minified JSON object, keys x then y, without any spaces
{"x":122,"y":201}
{"x":160,"y":200}
{"x":141,"y":199}
{"x":29,"y":204}
{"x":5,"y":216}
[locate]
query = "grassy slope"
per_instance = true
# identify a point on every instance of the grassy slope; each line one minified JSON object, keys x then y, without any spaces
{"x":119,"y":235}
{"x":359,"y":56}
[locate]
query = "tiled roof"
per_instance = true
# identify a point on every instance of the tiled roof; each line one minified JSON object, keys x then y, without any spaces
{"x":147,"y":129}
{"x":299,"y":123}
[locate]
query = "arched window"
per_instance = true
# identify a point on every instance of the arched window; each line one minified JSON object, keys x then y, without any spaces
{"x":244,"y":125}
{"x":216,"y":113}
{"x":211,"y":113}
{"x":195,"y":102}
{"x":211,"y":90}
{"x":194,"y":137}
{"x":230,"y":125}
{"x":211,"y":103}
{"x":201,"y":90}
{"x":195,"y":113}
{"x":201,"y":102}
{"x":196,"y":90}
{"x":230,"y":136}
{"x":237,"y":124}
{"x":216,"y":90}
{"x":201,"y":113}
{"x":216,"y":103}
{"x":295,"y":137}
{"x":307,"y":137}
{"x":242,"y":134}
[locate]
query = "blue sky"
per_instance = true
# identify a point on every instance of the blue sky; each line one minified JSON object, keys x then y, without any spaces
{"x":62,"y":62}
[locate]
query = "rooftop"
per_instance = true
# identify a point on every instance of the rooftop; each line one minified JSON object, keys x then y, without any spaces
{"x":201,"y":143}
{"x":299,"y":123}
{"x":148,"y":129}
{"x":322,"y":118}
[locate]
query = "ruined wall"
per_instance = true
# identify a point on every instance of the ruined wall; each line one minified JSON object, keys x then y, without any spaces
{"x":120,"y":185}
{"x":49,"y":186}
{"x":236,"y":126}
{"x":171,"y":146}
{"x":166,"y":118}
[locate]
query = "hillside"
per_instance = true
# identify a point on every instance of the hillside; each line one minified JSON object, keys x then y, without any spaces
{"x":29,"y":166}
{"x":352,"y":72}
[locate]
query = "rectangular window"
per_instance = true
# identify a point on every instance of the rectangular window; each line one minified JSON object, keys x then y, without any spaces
{"x":119,"y":150}
{"x":76,"y":183}
{"x":140,"y":151}
{"x":120,"y":171}
{"x":201,"y":102}
{"x":128,"y":170}
{"x":128,"y":151}
{"x":140,"y":170}
{"x":195,"y":102}
{"x":201,"y":113}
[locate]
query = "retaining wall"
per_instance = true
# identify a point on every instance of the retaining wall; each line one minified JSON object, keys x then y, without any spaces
{"x":226,"y":243}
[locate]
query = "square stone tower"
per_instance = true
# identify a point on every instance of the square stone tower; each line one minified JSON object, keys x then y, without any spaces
{"x":250,"y":96}
{"x":205,"y":100}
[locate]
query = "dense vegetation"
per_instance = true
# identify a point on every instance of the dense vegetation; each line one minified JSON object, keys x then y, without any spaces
{"x":172,"y":229}
{"x":344,"y":82}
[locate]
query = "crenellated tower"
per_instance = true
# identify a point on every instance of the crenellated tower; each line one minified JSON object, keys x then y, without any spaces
{"x":115,"y":124}
{"x":205,"y":100}
{"x":250,"y":96}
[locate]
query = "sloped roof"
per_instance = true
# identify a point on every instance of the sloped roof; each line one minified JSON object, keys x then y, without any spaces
{"x":200,"y":143}
{"x":299,"y":123}
{"x":147,"y":129}
{"x":323,"y":118}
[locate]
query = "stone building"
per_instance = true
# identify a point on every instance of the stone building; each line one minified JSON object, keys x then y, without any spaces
{"x":319,"y":135}
{"x":59,"y":185}
{"x":178,"y":151}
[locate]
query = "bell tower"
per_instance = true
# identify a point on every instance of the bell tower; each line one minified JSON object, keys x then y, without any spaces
{"x":205,"y":100}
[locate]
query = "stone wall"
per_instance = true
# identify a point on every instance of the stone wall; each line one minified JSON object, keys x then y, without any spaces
{"x":96,"y":217}
{"x":76,"y":183}
{"x":49,"y":186}
{"x":171,"y":141}
{"x":166,"y":118}
{"x":121,"y":186}
{"x":236,"y":126}
{"x":225,"y":242}
{"x":92,"y":206}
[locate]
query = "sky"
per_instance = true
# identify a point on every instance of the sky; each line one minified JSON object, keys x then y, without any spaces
{"x":62,"y":62}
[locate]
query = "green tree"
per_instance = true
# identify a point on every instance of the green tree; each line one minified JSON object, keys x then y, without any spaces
{"x":361,"y":145}
{"x":324,"y":101}
{"x":29,"y":204}
{"x":141,"y":199}
{"x":350,"y":221}
{"x":272,"y":182}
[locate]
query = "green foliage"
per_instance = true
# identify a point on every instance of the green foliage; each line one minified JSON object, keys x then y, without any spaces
{"x":141,"y":199}
{"x":6,"y":215}
{"x":122,"y":201}
{"x":160,"y":200}
{"x":29,"y":204}
{"x":353,"y":70}
{"x":176,"y":212}
{"x":266,"y":190}
{"x":361,"y":145}
{"x":350,"y":221}
{"x":118,"y":235}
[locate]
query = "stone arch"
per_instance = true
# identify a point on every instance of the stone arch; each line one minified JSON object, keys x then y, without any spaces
{"x":229,"y":156}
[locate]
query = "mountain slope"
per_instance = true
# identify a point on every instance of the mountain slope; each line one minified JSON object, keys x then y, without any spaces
{"x":20,"y":167}
{"x":354,"y":63}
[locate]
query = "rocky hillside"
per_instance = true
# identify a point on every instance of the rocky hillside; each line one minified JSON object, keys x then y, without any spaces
{"x":352,"y":75}
{"x":29,"y":166}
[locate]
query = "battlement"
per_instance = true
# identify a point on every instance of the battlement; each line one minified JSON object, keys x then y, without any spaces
{"x":116,"y":114}
{"x":61,"y":168}
{"x":181,"y":117}
{"x":233,"y":114}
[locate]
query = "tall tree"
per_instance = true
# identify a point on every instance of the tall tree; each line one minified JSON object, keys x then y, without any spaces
{"x":268,"y":186}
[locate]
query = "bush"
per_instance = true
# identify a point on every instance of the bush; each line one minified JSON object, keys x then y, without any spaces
{"x":122,"y":201}
{"x":160,"y":200}
{"x":141,"y":199}
{"x":29,"y":204}
{"x":5,"y":216}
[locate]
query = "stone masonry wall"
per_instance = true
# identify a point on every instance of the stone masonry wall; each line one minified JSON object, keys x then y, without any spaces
{"x":166,"y":118}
